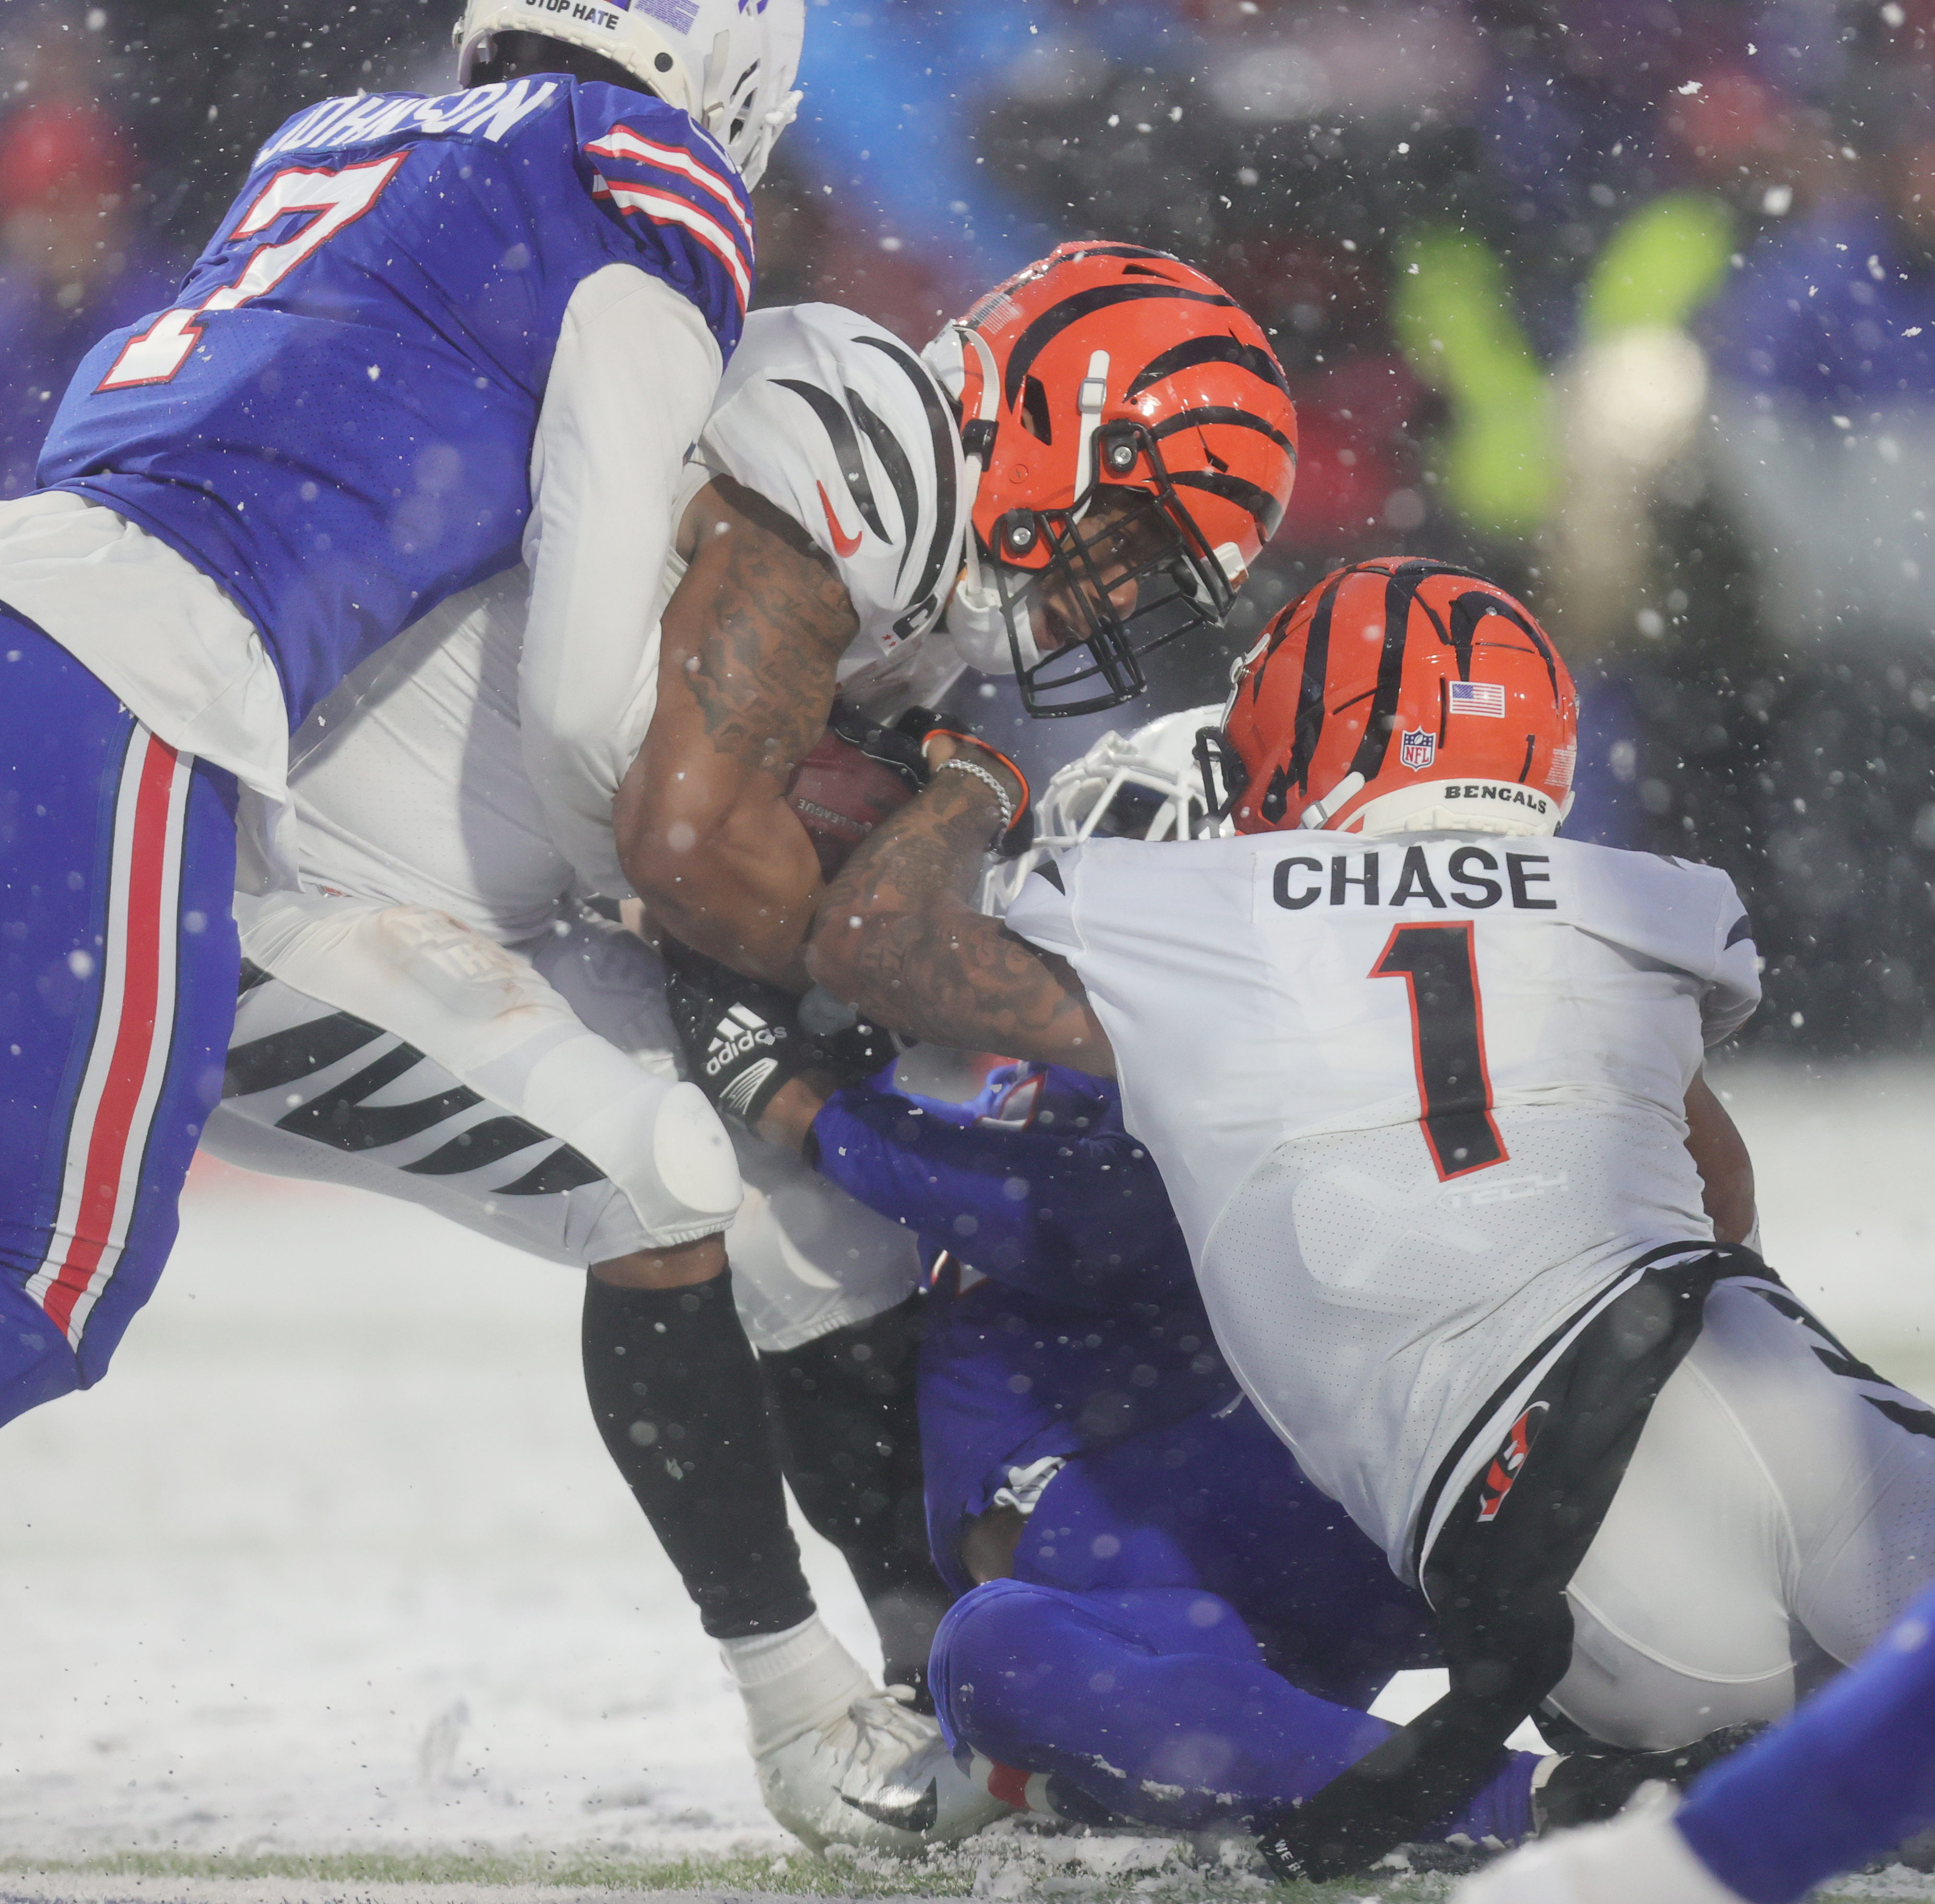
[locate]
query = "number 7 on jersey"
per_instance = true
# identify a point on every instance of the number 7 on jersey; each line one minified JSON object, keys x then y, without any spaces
{"x":338,"y":198}
{"x":1438,"y":964}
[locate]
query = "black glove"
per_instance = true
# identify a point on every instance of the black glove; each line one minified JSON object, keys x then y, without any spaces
{"x":740,"y":1036}
{"x":917,"y":723}
{"x":896,"y":748}
{"x":743,"y":1039}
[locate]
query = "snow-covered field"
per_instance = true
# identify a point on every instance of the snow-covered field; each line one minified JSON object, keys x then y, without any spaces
{"x":334,"y":1568}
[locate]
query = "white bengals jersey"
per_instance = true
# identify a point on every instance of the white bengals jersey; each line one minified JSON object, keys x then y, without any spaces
{"x":837,"y":424}
{"x":1418,"y":1103}
{"x":409,"y":783}
{"x":410,"y":792}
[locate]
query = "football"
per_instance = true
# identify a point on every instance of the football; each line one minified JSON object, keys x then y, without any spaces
{"x":840,"y":795}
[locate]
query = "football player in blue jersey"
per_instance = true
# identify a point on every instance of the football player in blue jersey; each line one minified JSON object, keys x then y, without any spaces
{"x":1849,"y":1778}
{"x":432,"y":336}
{"x":1162,"y":1620}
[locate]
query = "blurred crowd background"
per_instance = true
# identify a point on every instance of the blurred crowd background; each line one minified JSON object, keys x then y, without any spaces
{"x":1630,"y":304}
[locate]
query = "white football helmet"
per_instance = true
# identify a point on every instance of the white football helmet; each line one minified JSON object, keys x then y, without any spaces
{"x":1143,"y":785}
{"x":728,"y":63}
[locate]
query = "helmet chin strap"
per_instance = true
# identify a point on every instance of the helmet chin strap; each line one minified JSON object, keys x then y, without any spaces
{"x":1318,"y":811}
{"x":1090,"y":399}
{"x":975,"y":593}
{"x":772,"y":123}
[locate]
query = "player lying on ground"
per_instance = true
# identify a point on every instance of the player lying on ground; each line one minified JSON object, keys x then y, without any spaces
{"x":1418,"y":1077}
{"x":432,"y":334}
{"x":1176,"y":1629}
{"x":1847,"y":1780}
{"x":412,"y":795}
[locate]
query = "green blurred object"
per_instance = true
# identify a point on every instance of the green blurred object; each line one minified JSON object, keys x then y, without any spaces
{"x":1453,"y":313}
{"x":1498,"y":462}
{"x":1659,"y":267}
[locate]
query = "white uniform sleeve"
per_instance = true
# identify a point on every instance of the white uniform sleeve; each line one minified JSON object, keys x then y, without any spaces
{"x":837,"y":424}
{"x":1733,"y":993}
{"x":634,"y":373}
{"x":1043,"y":912}
{"x":1682,"y":915}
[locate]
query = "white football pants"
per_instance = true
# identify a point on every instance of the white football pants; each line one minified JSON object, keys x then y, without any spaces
{"x":395,"y":1050}
{"x":1778,"y":1513}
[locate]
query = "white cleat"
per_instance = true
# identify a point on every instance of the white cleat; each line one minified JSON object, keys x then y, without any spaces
{"x":1638,"y":1858}
{"x":840,"y":1761}
{"x":876,"y":1774}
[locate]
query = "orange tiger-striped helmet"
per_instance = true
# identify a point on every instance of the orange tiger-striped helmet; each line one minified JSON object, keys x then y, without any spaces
{"x":1133,"y":443}
{"x":1399,"y":695}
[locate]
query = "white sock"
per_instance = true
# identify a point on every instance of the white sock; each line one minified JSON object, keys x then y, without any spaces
{"x":792,"y":1683}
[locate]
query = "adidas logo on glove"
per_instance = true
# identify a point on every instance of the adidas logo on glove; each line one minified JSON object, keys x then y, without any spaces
{"x":739,"y":1034}
{"x":736,"y":1036}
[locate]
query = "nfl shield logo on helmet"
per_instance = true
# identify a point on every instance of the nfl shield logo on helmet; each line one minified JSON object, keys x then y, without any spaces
{"x":1418,"y":748}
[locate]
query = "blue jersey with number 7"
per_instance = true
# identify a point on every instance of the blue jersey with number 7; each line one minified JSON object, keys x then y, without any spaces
{"x":335,"y":419}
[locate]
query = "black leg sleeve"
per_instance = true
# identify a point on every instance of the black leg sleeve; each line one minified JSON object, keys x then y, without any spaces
{"x":676,"y":1390}
{"x":850,"y":1437}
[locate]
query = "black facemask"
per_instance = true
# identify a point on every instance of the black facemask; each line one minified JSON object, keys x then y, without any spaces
{"x":1114,"y":540}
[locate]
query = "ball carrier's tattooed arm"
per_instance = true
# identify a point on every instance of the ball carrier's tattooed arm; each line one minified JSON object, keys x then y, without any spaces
{"x":750,"y":643}
{"x":898,"y":935}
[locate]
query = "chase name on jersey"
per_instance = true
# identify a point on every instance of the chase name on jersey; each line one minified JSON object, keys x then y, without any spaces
{"x":1460,"y":878}
{"x":491,"y":113}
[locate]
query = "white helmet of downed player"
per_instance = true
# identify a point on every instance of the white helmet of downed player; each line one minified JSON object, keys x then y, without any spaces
{"x":1143,"y":785}
{"x":729,"y":64}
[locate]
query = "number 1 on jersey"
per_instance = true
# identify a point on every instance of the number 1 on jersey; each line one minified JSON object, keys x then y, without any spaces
{"x":1439,"y":966}
{"x":339,"y":198}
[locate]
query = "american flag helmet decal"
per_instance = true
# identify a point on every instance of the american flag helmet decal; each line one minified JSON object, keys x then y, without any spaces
{"x":1477,"y":698}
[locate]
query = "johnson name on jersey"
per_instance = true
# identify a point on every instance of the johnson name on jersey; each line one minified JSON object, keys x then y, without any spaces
{"x":1397,"y":1088}
{"x":336,"y":421}
{"x":837,"y":423}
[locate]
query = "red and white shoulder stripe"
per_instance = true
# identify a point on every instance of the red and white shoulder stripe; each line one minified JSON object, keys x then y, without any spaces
{"x":134,"y":1031}
{"x":671,"y":186}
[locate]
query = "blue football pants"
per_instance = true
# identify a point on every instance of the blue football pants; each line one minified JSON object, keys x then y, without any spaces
{"x":1153,"y":1704}
{"x":1164,"y":1588}
{"x":1217,"y":1501}
{"x":119,"y":964}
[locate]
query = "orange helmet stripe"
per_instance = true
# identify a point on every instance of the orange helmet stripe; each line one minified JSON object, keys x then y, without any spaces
{"x":1196,"y":351}
{"x":1286,"y":750}
{"x":1058,"y":317}
{"x":1316,"y":674}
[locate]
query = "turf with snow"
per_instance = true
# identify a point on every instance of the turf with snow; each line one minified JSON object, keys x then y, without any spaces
{"x":330,"y":1587}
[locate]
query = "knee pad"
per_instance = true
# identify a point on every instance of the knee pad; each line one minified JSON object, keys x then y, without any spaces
{"x":490,"y":1019}
{"x":995,"y":1640}
{"x":693,"y":1157}
{"x":807,"y":1259}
